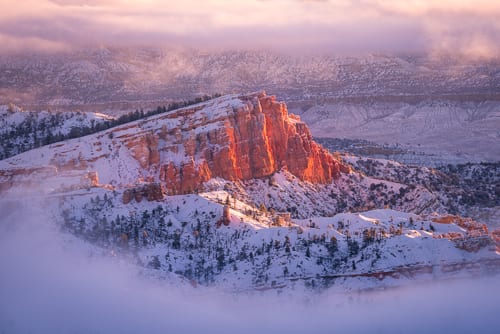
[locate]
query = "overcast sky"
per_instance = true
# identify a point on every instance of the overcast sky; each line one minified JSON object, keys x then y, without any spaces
{"x":470,"y":27}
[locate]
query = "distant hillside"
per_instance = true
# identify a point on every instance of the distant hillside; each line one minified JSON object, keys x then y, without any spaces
{"x":126,"y":74}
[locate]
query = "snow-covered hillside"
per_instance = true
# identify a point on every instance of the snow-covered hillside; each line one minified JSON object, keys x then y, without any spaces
{"x":22,"y":131}
{"x":446,"y":130}
{"x":254,"y":250}
{"x":144,"y":74}
{"x":371,"y":225}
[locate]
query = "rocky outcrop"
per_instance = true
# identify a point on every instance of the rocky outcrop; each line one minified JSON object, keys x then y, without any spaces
{"x":471,"y":227}
{"x":149,"y":191}
{"x":145,"y":149}
{"x":252,"y":140}
{"x":91,"y":179}
{"x":226,"y":217}
{"x":495,"y":235}
{"x":24,"y":177}
{"x":474,"y":237}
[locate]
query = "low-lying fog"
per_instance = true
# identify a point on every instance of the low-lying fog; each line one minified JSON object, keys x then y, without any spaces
{"x":53,"y":283}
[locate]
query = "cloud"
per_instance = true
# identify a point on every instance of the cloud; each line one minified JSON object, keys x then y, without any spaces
{"x":341,"y":25}
{"x":467,"y":28}
{"x":15,"y":44}
{"x":81,"y":3}
{"x":419,"y":8}
{"x":472,"y":36}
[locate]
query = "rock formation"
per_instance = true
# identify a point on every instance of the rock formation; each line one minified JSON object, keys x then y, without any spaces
{"x":24,"y":176}
{"x":149,"y":191}
{"x":254,"y":140}
{"x":232,"y":137}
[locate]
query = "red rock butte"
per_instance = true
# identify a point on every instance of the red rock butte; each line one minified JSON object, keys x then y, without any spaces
{"x":257,"y":138}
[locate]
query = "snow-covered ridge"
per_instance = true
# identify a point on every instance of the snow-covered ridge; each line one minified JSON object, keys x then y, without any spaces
{"x":277,"y":230}
{"x":255,"y":250}
{"x":22,"y":130}
{"x":127,"y":74}
{"x":236,"y":137}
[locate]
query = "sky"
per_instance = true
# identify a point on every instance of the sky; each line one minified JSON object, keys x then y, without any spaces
{"x":470,"y":27}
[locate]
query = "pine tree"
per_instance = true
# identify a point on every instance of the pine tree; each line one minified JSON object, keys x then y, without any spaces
{"x":155,"y":263}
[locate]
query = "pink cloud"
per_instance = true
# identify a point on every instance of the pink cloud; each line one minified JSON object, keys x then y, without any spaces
{"x":342,"y":25}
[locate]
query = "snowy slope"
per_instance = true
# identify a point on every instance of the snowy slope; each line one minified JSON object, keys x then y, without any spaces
{"x":446,"y":129}
{"x":145,"y":74}
{"x":21,"y":130}
{"x":276,"y":232}
{"x":117,"y":154}
{"x":180,"y":235}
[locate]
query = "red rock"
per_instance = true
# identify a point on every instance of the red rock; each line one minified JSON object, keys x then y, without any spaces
{"x":145,"y":149}
{"x":92,"y":179}
{"x":255,"y":141}
{"x":138,"y":196}
{"x":127,"y":196}
{"x":23,"y":176}
{"x":226,"y":217}
{"x":252,"y":141}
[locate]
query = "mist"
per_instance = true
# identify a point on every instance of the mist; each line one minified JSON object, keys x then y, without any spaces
{"x":51,"y":282}
{"x":469,"y":28}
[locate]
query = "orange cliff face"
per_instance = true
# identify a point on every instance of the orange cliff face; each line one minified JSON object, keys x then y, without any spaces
{"x":254,"y":140}
{"x":291,"y":145}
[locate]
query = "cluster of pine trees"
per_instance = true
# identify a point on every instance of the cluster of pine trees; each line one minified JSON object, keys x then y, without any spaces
{"x":195,"y":248}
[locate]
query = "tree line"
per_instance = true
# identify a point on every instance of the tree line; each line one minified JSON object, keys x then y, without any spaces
{"x":35,"y":131}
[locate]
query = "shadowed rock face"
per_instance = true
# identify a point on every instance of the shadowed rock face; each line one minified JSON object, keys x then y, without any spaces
{"x":149,"y":191}
{"x":253,"y":140}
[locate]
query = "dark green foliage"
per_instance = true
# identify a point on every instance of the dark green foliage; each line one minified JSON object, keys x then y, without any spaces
{"x":155,"y":262}
{"x":352,"y":246}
